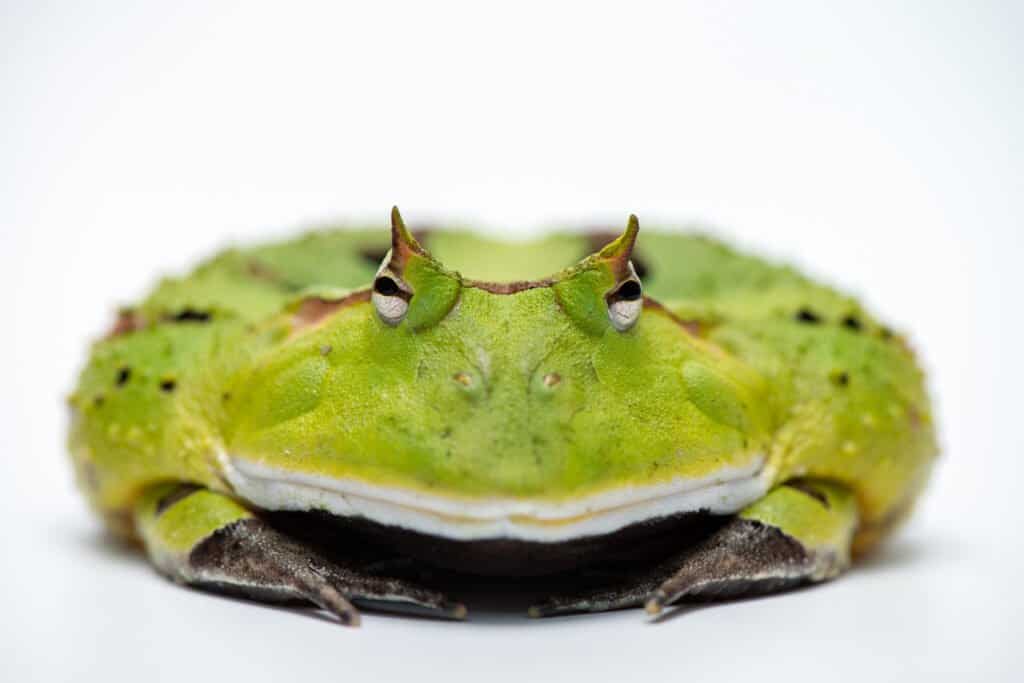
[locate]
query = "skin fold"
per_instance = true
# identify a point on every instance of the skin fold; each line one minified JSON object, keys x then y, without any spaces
{"x":473,"y":391}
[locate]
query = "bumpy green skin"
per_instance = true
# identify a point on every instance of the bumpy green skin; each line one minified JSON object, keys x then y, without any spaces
{"x":741,"y":357}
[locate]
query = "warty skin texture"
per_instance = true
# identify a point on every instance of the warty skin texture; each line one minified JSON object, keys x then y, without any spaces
{"x":275,"y":353}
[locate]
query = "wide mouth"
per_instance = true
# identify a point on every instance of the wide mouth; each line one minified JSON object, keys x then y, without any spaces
{"x":479,"y":518}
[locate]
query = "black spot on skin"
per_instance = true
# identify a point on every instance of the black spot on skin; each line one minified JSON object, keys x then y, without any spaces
{"x":226,"y":396}
{"x":191,"y":315}
{"x":123,"y":375}
{"x":841,"y":379}
{"x":852,"y":323}
{"x":179,"y":493}
{"x":814,"y":493}
{"x":168,"y":385}
{"x":807,"y":316}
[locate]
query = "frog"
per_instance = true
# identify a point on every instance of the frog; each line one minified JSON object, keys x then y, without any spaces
{"x":295,"y":421}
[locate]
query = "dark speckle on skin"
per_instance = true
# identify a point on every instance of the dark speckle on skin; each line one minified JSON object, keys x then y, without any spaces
{"x":123,"y":375}
{"x":841,"y":379}
{"x":807,"y":316}
{"x":852,"y":323}
{"x":190,"y":315}
{"x":885,"y":333}
{"x":168,"y":385}
{"x":98,"y":400}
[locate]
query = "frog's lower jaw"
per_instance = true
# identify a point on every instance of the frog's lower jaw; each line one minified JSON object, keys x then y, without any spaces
{"x":466,"y":519}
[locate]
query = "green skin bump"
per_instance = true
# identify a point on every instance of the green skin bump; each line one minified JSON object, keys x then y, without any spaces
{"x":277,"y":352}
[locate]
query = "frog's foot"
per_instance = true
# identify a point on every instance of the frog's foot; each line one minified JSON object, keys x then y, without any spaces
{"x":206,"y":539}
{"x":799,"y":533}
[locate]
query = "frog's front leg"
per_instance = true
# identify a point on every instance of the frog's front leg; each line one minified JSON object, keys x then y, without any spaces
{"x":799,"y":533}
{"x":207,"y":539}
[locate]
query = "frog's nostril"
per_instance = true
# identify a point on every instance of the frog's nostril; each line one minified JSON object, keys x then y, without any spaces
{"x":552,"y":379}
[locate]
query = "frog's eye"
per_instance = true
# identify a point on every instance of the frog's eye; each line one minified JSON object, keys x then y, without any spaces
{"x":625,"y":302}
{"x":390,"y":297}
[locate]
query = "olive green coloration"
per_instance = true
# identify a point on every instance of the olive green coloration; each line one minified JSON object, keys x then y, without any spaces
{"x":469,"y":389}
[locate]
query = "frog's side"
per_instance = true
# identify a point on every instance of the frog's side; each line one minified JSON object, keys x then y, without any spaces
{"x":487,"y":412}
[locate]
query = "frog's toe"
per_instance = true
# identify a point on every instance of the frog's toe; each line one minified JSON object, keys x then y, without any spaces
{"x":602,"y":600}
{"x":206,"y":539}
{"x":799,"y":533}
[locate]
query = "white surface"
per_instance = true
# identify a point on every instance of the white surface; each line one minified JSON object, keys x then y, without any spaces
{"x":880,"y":148}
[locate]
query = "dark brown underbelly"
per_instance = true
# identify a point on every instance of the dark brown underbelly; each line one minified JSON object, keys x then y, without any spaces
{"x":361,"y":541}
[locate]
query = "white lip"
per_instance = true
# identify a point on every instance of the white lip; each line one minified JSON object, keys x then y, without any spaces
{"x":729,"y":490}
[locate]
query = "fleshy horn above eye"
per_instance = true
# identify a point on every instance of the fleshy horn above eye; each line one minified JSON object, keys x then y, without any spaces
{"x":391,"y":294}
{"x":625,"y":300}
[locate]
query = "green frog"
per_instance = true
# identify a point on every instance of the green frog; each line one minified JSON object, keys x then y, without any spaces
{"x":697,"y":422}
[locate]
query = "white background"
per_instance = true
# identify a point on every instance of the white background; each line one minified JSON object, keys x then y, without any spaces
{"x":879,"y":147}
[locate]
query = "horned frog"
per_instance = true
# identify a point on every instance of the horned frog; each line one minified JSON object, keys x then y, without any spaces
{"x":697,"y":422}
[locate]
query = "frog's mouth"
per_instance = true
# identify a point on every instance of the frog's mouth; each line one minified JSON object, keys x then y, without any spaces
{"x":525,"y":519}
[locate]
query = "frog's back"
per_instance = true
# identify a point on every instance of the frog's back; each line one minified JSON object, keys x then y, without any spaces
{"x":849,"y":398}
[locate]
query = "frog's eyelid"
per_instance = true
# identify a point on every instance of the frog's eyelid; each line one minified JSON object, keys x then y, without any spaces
{"x":625,"y":302}
{"x":390,"y":295}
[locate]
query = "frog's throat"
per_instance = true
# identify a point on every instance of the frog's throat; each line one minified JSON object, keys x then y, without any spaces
{"x":467,"y":519}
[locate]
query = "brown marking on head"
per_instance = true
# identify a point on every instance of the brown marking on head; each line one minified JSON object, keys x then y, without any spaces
{"x":508,"y":287}
{"x":914,"y":416}
{"x":598,"y":238}
{"x":403,"y":244}
{"x":128,"y":320}
{"x":617,"y":253}
{"x":697,"y":328}
{"x":313,"y":310}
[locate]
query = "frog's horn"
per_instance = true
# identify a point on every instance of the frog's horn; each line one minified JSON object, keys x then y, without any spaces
{"x":403,"y":244}
{"x":618,"y":253}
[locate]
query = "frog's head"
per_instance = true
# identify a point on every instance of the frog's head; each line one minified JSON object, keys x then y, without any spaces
{"x":539,"y":410}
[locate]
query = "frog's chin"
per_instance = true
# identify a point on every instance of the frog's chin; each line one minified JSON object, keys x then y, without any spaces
{"x":726,"y":491}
